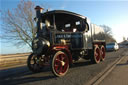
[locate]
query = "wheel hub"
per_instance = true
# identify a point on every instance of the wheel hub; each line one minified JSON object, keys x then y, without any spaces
{"x":62,"y":63}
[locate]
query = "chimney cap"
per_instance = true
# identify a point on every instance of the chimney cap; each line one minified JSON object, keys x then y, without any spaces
{"x":38,"y":8}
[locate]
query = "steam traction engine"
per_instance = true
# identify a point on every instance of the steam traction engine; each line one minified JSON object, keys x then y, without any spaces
{"x":64,"y":37}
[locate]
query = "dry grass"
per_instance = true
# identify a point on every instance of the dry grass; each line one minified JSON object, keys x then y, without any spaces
{"x":12,"y":60}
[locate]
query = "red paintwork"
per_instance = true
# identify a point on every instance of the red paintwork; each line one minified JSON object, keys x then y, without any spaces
{"x":103,"y":52}
{"x":55,"y":48}
{"x":61,"y":68}
{"x":63,"y":48}
{"x":97,"y":54}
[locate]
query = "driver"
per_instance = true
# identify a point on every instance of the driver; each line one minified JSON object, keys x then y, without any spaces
{"x":47,"y":23}
{"x":46,"y":29}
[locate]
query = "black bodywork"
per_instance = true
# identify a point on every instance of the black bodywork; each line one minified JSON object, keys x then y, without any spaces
{"x":64,"y":37}
{"x":62,"y":25}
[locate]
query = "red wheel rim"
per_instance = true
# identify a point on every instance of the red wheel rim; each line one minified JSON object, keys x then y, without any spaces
{"x":61,"y":64}
{"x":97,"y":54}
{"x":103,"y":52}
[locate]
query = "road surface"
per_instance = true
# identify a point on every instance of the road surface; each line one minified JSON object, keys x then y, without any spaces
{"x":119,"y":75}
{"x":80,"y":74}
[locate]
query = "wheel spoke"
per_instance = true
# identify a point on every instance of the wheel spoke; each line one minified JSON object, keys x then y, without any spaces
{"x":65,"y":67}
{"x":60,"y":69}
{"x":35,"y":64}
{"x":57,"y":62}
{"x":61,"y":64}
{"x":97,"y":55}
{"x":56,"y":66}
{"x":97,"y":58}
{"x":34,"y":61}
{"x":61,"y":57}
{"x":103,"y":52}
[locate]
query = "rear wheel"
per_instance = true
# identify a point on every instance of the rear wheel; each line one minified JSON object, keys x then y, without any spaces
{"x":95,"y":58}
{"x":60,"y":64}
{"x":102,"y":53}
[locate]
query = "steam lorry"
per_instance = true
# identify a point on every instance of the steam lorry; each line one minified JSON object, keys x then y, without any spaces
{"x":62,"y":38}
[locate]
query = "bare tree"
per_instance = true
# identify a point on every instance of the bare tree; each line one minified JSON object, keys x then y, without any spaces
{"x":18,"y":24}
{"x":108,"y":34}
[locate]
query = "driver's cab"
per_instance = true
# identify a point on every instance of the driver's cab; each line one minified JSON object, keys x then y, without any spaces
{"x":65,"y":26}
{"x":65,"y":21}
{"x":75,"y":26}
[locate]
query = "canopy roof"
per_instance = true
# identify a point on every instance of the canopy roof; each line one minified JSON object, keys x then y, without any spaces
{"x":62,"y":15}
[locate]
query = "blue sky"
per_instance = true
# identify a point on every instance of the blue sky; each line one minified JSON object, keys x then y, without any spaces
{"x":113,"y":13}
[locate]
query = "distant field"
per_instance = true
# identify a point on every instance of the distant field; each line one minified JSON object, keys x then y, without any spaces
{"x":12,"y":60}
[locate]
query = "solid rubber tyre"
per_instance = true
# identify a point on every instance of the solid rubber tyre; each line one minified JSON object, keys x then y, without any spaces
{"x":32,"y":63}
{"x":95,"y":58}
{"x":102,"y":49}
{"x":60,"y":63}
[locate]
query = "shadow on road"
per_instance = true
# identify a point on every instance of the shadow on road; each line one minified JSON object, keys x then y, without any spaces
{"x":82,"y":63}
{"x":122,"y":64}
{"x":21,"y":75}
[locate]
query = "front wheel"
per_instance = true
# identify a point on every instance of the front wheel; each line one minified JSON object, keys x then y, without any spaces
{"x":60,"y":63}
{"x":33,"y":63}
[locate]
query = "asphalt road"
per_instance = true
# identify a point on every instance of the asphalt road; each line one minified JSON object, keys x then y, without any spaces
{"x":119,"y":75}
{"x":80,"y":74}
